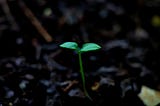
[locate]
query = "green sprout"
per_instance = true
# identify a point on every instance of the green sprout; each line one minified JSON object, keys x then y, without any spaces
{"x":85,"y":48}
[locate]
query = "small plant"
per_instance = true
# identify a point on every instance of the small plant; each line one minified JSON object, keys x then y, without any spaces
{"x":85,"y":48}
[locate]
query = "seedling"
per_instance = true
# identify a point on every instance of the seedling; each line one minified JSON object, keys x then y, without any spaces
{"x":85,"y":48}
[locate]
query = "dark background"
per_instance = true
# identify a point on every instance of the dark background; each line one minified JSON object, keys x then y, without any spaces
{"x":127,"y":30}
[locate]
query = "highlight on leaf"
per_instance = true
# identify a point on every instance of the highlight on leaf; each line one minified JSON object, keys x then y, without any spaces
{"x":69,"y":45}
{"x":90,"y":47}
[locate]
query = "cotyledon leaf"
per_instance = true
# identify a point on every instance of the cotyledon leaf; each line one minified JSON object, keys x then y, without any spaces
{"x":69,"y":45}
{"x":89,"y":47}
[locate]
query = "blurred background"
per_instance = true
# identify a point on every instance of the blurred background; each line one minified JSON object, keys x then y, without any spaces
{"x":35,"y":71}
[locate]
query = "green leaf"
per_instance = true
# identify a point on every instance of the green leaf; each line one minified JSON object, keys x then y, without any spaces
{"x":89,"y":47}
{"x":69,"y":45}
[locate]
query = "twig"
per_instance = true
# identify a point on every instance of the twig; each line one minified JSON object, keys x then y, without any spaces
{"x":35,"y":21}
{"x":8,"y":14}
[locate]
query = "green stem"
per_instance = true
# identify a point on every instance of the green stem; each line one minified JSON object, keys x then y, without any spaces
{"x":83,"y":76}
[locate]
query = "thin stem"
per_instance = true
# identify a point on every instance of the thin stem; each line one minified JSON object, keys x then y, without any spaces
{"x":83,"y":76}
